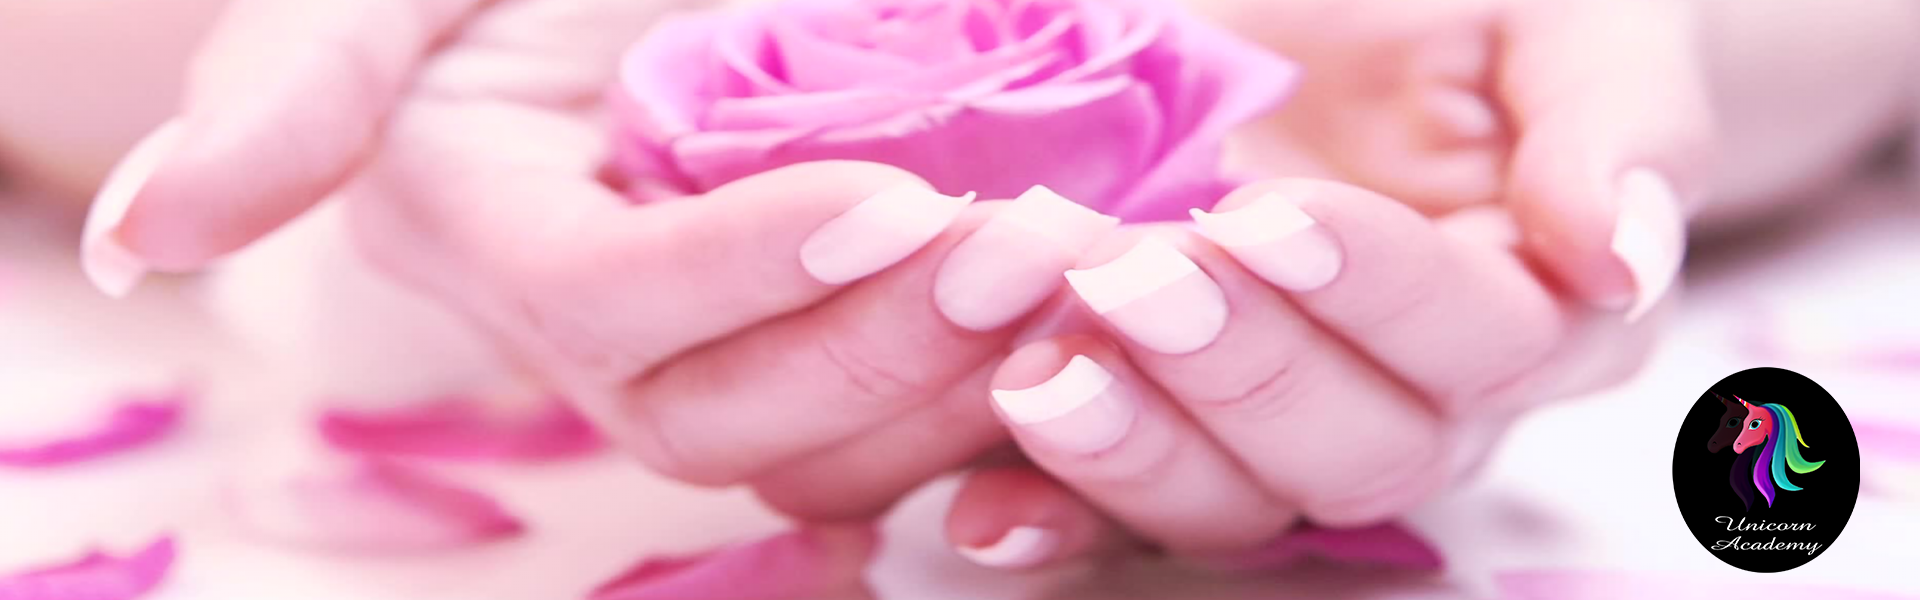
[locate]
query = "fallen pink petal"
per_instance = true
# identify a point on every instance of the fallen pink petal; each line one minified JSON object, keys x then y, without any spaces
{"x":373,"y":505}
{"x":96,"y":576}
{"x":1609,"y":585}
{"x":810,"y":563}
{"x":464,"y":429}
{"x":136,"y":422}
{"x":1386,"y":545}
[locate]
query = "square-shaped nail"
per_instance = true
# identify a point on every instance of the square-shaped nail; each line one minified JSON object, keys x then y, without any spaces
{"x":1080,"y":410}
{"x":1276,"y":240}
{"x":878,"y":232}
{"x":1156,"y":296}
{"x":1013,"y":262}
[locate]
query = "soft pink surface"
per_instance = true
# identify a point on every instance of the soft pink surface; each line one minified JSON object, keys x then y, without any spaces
{"x":585,"y":520}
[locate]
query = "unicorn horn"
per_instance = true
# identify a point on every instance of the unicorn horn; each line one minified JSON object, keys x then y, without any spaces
{"x":1742,"y":402}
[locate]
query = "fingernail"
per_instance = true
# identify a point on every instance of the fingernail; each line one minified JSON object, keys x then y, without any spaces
{"x":878,"y":232}
{"x":1277,"y":241}
{"x":112,"y":267}
{"x":1156,"y":296}
{"x":1080,"y":410}
{"x":1012,"y":263}
{"x":1649,"y":237}
{"x":1022,"y":546}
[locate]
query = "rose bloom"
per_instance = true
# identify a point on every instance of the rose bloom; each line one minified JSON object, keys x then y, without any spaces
{"x":1118,"y":104}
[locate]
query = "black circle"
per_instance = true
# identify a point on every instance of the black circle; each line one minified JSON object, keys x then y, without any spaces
{"x":1782,"y":533}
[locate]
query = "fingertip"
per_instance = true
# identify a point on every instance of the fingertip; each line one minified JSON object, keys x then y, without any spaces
{"x":1563,"y":201}
{"x":113,"y":267}
{"x":1016,"y":518}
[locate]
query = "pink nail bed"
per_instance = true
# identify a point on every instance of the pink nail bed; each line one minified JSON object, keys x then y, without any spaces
{"x":1013,"y":262}
{"x":1156,"y":296}
{"x":1080,"y":410}
{"x":1277,"y":241}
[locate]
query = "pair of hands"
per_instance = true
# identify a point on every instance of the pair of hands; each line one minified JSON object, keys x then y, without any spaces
{"x":463,"y":135}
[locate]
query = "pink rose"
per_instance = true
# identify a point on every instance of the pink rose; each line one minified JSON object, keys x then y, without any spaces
{"x":1119,"y":104}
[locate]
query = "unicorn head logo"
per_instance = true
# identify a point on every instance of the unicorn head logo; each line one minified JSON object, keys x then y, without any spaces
{"x":1772,"y":429}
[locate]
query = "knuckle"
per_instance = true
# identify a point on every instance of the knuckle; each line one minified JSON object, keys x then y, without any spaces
{"x":1400,"y":303}
{"x":869,"y":376}
{"x":1266,"y":394}
{"x":664,"y":449}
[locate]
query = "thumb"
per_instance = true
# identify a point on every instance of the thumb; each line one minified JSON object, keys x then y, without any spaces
{"x":1615,"y":131}
{"x":283,"y":100}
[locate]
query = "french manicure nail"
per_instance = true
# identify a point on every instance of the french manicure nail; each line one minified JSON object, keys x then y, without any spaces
{"x":1022,"y":546}
{"x":1012,"y":263}
{"x":878,"y":232}
{"x":112,"y":267}
{"x":1156,"y":296}
{"x":1649,"y":237}
{"x":1277,"y":241}
{"x":1080,"y":410}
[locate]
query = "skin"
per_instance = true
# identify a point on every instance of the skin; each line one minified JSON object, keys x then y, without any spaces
{"x":389,"y":126}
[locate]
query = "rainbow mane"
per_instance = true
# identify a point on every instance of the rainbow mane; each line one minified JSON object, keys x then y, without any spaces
{"x":1777,"y":456}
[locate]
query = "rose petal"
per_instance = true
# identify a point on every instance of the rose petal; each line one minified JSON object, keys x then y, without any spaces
{"x":669,"y":78}
{"x":815,"y":64}
{"x":96,"y":576}
{"x":1386,"y":545}
{"x":1208,"y":83}
{"x":136,"y":422}
{"x":813,"y":563}
{"x":1086,"y":141}
{"x":371,"y":505}
{"x":464,"y":429}
{"x":751,"y":66}
{"x":1609,"y":585}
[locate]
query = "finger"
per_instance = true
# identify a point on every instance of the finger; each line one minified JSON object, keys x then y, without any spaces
{"x":1615,"y":132}
{"x":731,"y":409}
{"x":1454,"y":317}
{"x":282,"y":102}
{"x":492,"y":207}
{"x":1312,"y":420}
{"x":1083,"y":414}
{"x":863,"y":475}
{"x":1017,"y":518}
{"x":466,"y":189}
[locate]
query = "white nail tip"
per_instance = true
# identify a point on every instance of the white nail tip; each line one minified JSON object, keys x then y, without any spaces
{"x":111,"y":267}
{"x":878,"y":232}
{"x":1064,"y":221}
{"x":1649,"y":237}
{"x":1080,"y":382}
{"x":1266,"y":220}
{"x":1151,"y":265}
{"x":1021,"y":546}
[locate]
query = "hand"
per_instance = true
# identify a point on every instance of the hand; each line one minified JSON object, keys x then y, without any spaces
{"x":1562,"y":136}
{"x":1575,"y":115}
{"x":789,"y":320}
{"x":1315,"y":351}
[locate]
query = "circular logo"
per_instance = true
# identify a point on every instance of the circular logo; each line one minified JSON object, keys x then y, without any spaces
{"x":1766,"y":470}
